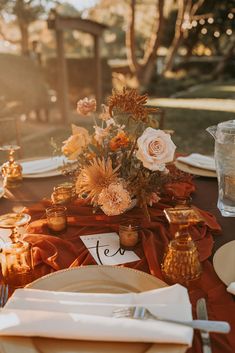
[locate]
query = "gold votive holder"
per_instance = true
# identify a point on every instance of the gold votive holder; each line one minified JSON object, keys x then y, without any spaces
{"x":56,"y":219}
{"x":17,"y":264}
{"x":181,"y":261}
{"x":129,"y":235}
{"x":63,"y":194}
{"x":11,"y":170}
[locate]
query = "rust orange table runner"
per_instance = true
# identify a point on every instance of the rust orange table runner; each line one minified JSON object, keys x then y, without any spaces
{"x":52,"y":253}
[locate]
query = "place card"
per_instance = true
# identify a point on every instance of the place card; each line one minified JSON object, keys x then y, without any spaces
{"x":105,"y":249}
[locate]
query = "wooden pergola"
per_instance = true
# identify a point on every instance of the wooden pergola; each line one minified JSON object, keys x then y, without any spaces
{"x":60,"y":24}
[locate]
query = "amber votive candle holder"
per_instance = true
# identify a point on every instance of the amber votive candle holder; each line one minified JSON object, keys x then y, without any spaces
{"x":63,"y":194}
{"x":129,"y":235}
{"x":56,"y":219}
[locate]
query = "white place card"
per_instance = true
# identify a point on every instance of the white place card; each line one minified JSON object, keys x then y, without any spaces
{"x":105,"y":249}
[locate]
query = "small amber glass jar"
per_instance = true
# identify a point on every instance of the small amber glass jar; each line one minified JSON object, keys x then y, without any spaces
{"x":129,"y":235}
{"x":56,"y":219}
{"x":63,"y":194}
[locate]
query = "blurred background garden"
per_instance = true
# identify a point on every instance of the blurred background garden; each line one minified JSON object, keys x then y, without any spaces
{"x":53,"y":53}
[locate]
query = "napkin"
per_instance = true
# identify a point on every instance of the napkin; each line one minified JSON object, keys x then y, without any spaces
{"x":231,"y":288}
{"x":43,"y":165}
{"x":88,"y":316}
{"x":199,"y":161}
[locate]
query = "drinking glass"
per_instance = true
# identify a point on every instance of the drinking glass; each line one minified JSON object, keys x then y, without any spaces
{"x":224,"y":135}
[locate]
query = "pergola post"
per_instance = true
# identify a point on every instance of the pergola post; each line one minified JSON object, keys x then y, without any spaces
{"x":62,"y":76}
{"x":98,"y":67}
{"x":60,"y":24}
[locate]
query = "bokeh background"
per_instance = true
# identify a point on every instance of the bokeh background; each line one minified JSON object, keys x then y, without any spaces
{"x":181,"y":52}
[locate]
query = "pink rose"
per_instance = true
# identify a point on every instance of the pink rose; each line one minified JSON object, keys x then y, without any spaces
{"x":155,"y":149}
{"x":86,"y":106}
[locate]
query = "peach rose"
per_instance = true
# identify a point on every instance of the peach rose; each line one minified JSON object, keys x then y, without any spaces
{"x":155,"y":149}
{"x":76,"y":143}
{"x":86,"y":106}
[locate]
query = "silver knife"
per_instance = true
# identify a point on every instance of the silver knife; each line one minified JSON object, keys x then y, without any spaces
{"x":202,"y":315}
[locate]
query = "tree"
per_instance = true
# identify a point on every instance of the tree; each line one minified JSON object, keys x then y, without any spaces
{"x":186,"y":11}
{"x":23,"y":12}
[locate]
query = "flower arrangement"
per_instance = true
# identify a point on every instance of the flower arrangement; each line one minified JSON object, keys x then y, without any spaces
{"x":124,"y":162}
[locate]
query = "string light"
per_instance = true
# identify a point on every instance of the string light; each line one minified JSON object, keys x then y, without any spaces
{"x":229,"y":32}
{"x":230,"y":15}
{"x":210,"y":20}
{"x":216,"y":34}
{"x":194,"y":23}
{"x":202,"y":21}
{"x":204,"y":31}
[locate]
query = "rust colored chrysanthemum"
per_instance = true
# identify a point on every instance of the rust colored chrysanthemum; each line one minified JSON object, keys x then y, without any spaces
{"x":95,"y":176}
{"x":120,"y":140}
{"x":130,"y":102}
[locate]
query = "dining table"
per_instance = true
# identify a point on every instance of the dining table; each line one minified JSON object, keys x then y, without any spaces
{"x":220,"y":303}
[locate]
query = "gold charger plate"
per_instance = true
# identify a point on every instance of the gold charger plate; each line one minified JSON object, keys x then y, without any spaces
{"x":194,"y":170}
{"x":10,"y":220}
{"x":91,"y":279}
{"x":224,"y":262}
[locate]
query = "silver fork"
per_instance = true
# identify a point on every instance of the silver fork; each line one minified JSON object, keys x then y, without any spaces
{"x":140,"y":312}
{"x":3,"y":294}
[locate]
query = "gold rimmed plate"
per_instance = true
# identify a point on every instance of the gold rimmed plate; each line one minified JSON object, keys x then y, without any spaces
{"x":224,"y":262}
{"x":102,"y":279}
{"x":11,"y":220}
{"x":1,"y":192}
{"x":92,"y":279}
{"x":195,"y":170}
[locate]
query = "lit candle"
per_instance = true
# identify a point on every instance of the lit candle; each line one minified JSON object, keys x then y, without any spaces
{"x":129,"y":235}
{"x":56,"y":219}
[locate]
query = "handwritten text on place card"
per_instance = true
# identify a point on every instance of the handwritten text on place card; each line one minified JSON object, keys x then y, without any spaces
{"x":105,"y":249}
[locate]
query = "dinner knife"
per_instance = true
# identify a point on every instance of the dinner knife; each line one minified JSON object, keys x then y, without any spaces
{"x":202,"y":315}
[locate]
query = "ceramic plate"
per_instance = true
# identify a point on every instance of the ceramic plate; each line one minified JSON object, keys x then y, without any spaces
{"x":10,"y":220}
{"x":224,"y":262}
{"x":53,"y":165}
{"x":91,"y":279}
{"x":100,"y":279}
{"x":194,"y":170}
{"x":1,"y":192}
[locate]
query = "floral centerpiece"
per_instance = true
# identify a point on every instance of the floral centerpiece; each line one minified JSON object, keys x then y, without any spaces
{"x":124,"y":161}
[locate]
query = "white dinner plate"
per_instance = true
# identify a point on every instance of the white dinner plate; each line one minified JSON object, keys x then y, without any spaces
{"x":100,"y":279}
{"x":92,"y":279}
{"x":194,"y":170}
{"x":224,"y":262}
{"x":51,"y":166}
{"x":1,"y":192}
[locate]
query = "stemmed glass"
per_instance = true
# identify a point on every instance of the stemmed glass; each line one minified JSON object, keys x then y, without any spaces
{"x":16,"y":256}
{"x":11,"y":170}
{"x":10,"y":142}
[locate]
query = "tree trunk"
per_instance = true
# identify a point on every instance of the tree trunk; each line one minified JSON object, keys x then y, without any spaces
{"x":177,"y":38}
{"x":130,"y":40}
{"x":148,"y":65}
{"x":221,"y":65}
{"x":24,"y":38}
{"x":187,"y":9}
